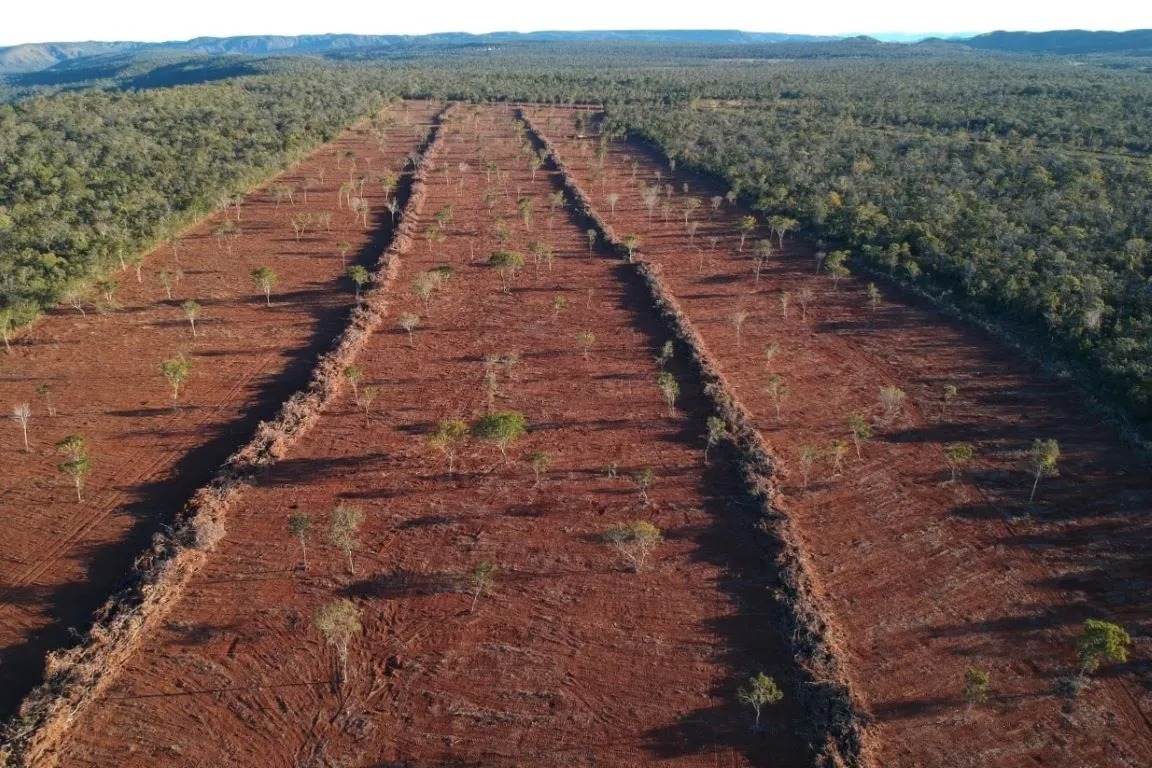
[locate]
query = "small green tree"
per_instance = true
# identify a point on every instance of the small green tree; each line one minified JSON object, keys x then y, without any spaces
{"x":409,"y":322}
{"x":265,"y":279}
{"x":508,"y":264}
{"x":586,"y":339}
{"x":299,"y":524}
{"x":737,"y":320}
{"x":891,"y":401}
{"x":947,"y":395}
{"x":746,"y":226}
{"x":591,"y":235}
{"x":667,"y":350}
{"x":715,"y":431}
{"x":345,"y":528}
{"x":874,"y":296}
{"x":804,"y":298}
{"x":540,"y":462}
{"x":757,"y":692}
{"x":634,"y":541}
{"x":343,"y":246}
{"x":836,"y":456}
{"x":482,"y":577}
{"x":785,"y":298}
{"x":1042,"y":461}
{"x":176,"y":371}
{"x":630,"y":243}
{"x":1099,"y":642}
{"x":644,"y":480}
{"x":957,"y":455}
{"x":359,"y":277}
{"x":45,"y":391}
{"x":192,"y":313}
{"x":501,"y":428}
{"x":976,"y":687}
{"x":559,"y":304}
{"x":808,"y":456}
{"x":353,"y":374}
{"x":447,"y":438}
{"x":670,"y":388}
{"x":364,"y":400}
{"x":339,"y":622}
{"x":76,"y":462}
{"x":778,"y":391}
{"x":861,"y":430}
{"x":425,"y":286}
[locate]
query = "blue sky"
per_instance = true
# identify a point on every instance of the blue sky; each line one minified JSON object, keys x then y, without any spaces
{"x":71,"y":20}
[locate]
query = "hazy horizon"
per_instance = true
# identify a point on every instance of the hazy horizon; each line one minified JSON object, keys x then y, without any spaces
{"x":134,"y":20}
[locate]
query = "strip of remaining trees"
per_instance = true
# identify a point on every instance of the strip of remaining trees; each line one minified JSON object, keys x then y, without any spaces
{"x":837,"y":721}
{"x":75,"y":677}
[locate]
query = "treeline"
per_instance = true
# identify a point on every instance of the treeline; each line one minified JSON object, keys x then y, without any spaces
{"x":90,"y":180}
{"x":1025,"y":193}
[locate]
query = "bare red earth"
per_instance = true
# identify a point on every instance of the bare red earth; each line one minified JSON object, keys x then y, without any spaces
{"x":922,"y":578}
{"x":61,"y":559}
{"x":571,"y":659}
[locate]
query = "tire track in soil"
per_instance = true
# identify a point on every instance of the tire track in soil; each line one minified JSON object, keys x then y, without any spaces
{"x":1040,"y":570}
{"x":654,"y":657}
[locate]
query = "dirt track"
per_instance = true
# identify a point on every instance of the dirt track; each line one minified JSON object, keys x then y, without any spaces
{"x":921,"y":578}
{"x":61,"y":558}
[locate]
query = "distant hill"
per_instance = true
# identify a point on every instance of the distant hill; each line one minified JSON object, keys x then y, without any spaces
{"x":1136,"y":42}
{"x":34,"y":57}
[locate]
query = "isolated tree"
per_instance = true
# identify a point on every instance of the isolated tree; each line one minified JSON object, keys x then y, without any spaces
{"x":345,"y":528}
{"x":525,"y":206}
{"x":635,"y":541}
{"x":76,"y":462}
{"x":808,"y":456}
{"x":192,"y":313}
{"x":482,"y":578}
{"x":300,"y":224}
{"x":339,"y":622}
{"x":409,"y":322}
{"x":612,"y":199}
{"x":670,"y":388}
{"x":804,"y":299}
{"x":780,"y":226}
{"x":447,"y":438}
{"x":559,"y":304}
{"x":976,"y":686}
{"x":265,"y":279}
{"x":760,"y":256}
{"x":21,"y":413}
{"x":364,"y":399}
{"x":785,"y":298}
{"x":874,"y":297}
{"x":586,"y":339}
{"x":501,"y":428}
{"x":746,"y":226}
{"x":643,"y":480}
{"x":353,"y":374}
{"x":1099,"y":642}
{"x":508,"y":264}
{"x":861,"y":430}
{"x":715,"y":431}
{"x":176,"y":371}
{"x":717,"y":201}
{"x":836,"y":456}
{"x":167,"y":279}
{"x":542,"y":254}
{"x":666,"y":352}
{"x":947,"y":395}
{"x":778,"y":391}
{"x":591,"y":234}
{"x":891,"y":401}
{"x":957,"y":455}
{"x":344,"y":246}
{"x":45,"y":391}
{"x":299,"y":524}
{"x":757,"y":692}
{"x":737,"y":320}
{"x":359,"y":276}
{"x":771,"y":350}
{"x":1042,"y":461}
{"x":836,"y":266}
{"x":631,"y":243}
{"x":540,"y":462}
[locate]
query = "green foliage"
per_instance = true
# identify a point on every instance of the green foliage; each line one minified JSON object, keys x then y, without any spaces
{"x":76,"y":462}
{"x":176,"y":371}
{"x":482,"y":577}
{"x":1099,"y":642}
{"x":345,"y":529}
{"x":759,"y":691}
{"x":635,"y":541}
{"x":715,"y":431}
{"x":359,"y":276}
{"x":540,"y":462}
{"x":299,"y":524}
{"x":976,"y":686}
{"x":339,"y":622}
{"x":508,"y":263}
{"x":191,"y":311}
{"x":265,"y":279}
{"x":409,"y":322}
{"x":958,"y":455}
{"x":447,"y":438}
{"x":501,"y":428}
{"x":1042,"y":460}
{"x":670,"y":388}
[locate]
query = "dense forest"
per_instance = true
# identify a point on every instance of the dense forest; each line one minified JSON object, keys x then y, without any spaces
{"x":90,"y":179}
{"x":1016,"y":187}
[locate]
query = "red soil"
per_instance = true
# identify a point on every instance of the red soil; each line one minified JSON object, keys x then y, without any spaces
{"x":61,"y":559}
{"x":572,"y":659}
{"x":923,"y":579}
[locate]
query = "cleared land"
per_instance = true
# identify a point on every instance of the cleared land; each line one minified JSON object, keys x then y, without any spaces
{"x":62,"y":558}
{"x":921,"y":578}
{"x":570,"y":658}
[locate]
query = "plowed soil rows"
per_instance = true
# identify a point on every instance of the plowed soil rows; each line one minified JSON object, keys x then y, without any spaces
{"x":922,"y":577}
{"x":571,"y":658}
{"x":62,"y":558}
